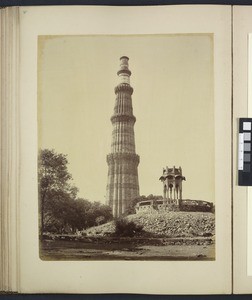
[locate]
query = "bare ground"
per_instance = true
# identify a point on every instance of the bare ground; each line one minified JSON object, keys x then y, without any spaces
{"x":124,"y":250}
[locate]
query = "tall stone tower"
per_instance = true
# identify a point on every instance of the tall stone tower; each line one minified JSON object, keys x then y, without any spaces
{"x":123,"y":161}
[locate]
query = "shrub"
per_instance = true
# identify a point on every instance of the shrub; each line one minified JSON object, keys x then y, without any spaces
{"x":125,"y":228}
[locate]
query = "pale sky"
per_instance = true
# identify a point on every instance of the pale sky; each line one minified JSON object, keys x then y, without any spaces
{"x":172,"y":77}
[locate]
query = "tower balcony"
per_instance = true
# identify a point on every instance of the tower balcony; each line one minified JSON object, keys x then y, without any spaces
{"x":124,"y":87}
{"x":123,"y":118}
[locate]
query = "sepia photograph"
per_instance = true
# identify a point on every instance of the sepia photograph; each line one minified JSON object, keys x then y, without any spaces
{"x":126,"y":161}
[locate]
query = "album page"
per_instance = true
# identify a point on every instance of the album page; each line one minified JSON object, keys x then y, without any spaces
{"x":242,"y":108}
{"x":125,"y":183}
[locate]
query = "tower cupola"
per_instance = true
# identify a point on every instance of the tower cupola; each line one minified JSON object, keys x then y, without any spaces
{"x":124,"y":72}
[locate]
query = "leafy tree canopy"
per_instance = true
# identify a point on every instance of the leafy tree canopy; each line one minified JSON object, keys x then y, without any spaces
{"x":61,"y":210}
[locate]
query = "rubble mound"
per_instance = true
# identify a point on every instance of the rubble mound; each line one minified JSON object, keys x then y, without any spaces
{"x":165,"y":224}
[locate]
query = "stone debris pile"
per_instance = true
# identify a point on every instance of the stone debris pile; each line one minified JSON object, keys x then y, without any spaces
{"x":177,"y":224}
{"x":101,"y":230}
{"x":167,"y":224}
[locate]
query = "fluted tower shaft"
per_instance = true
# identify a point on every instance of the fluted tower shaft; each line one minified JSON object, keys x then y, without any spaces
{"x":122,"y":186}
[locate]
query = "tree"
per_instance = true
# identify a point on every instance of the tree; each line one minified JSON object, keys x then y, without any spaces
{"x":55,"y":188}
{"x":60,"y":209}
{"x":96,"y":211}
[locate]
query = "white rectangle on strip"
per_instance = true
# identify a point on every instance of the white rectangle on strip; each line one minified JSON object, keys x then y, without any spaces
{"x":246,"y":125}
{"x":247,"y":136}
{"x":240,"y":151}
